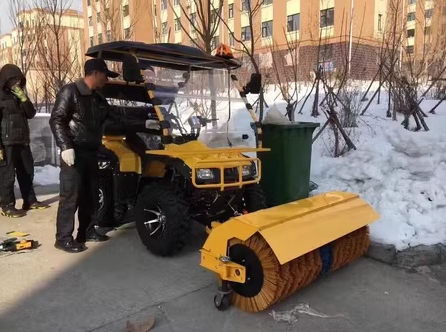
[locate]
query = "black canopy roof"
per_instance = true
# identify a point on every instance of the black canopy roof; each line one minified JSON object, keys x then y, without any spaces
{"x":166,"y":55}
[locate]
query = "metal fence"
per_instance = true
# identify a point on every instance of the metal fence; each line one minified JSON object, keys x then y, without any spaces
{"x":43,"y":146}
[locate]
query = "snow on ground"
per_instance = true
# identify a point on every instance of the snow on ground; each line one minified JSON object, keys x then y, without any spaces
{"x":400,"y":173}
{"x":46,"y":175}
{"x":403,"y":175}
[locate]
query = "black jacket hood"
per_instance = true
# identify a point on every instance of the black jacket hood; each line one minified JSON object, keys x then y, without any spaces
{"x":9,"y":71}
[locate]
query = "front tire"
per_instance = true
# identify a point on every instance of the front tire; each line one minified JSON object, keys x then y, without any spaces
{"x":254,"y":198}
{"x":162,"y":218}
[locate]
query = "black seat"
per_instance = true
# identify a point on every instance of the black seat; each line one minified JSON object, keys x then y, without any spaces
{"x":131,"y":70}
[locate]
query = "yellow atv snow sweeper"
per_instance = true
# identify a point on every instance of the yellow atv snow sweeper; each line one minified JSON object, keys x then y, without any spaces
{"x":260,"y":254}
{"x":165,"y":178}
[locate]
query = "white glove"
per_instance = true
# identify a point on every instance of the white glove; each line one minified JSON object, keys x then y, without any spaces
{"x":68,"y":157}
{"x":152,"y":124}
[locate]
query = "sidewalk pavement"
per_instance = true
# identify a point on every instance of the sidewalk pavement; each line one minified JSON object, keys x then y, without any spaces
{"x":112,"y":282}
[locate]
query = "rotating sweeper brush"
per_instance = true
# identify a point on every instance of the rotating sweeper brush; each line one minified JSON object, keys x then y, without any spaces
{"x":263,"y":257}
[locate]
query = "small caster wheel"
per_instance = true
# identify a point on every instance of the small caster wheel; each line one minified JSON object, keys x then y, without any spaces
{"x":222,"y":302}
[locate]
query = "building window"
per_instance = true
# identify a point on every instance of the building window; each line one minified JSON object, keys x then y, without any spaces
{"x":327,"y":17}
{"x":231,"y":39}
{"x":164,"y":28}
{"x":98,"y":17}
{"x":409,"y":49}
{"x":245,"y":5}
{"x":428,"y":13}
{"x":176,"y":2}
{"x":293,"y":22}
{"x":107,"y":14}
{"x":231,"y":10}
{"x":427,"y":30}
{"x":411,"y":16}
{"x":127,"y":33}
{"x":88,"y":2}
{"x":163,"y":5}
{"x":325,"y":52}
{"x":246,"y":33}
{"x":410,"y":33}
{"x":267,"y":29}
{"x":99,"y":38}
{"x":380,"y":22}
{"x":177,"y":24}
{"x":193,"y":20}
{"x":267,"y":2}
{"x":90,"y":21}
{"x":91,"y":41}
{"x":411,"y":2}
{"x":214,"y":16}
{"x":109,"y":36}
{"x":125,"y":10}
{"x":214,"y":43}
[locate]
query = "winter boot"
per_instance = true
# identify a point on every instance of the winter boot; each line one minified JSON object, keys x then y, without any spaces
{"x":35,"y":206}
{"x":12,"y":212}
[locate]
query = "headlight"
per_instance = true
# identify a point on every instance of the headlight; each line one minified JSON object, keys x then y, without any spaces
{"x":250,"y":170}
{"x":246,"y":170}
{"x":103,"y":164}
{"x":205,"y":174}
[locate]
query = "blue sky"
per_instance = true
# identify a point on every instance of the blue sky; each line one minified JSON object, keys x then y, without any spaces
{"x":5,"y":21}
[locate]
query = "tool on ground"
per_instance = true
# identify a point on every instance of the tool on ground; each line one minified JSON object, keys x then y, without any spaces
{"x":17,"y":234}
{"x":263,"y":257}
{"x":13,"y":244}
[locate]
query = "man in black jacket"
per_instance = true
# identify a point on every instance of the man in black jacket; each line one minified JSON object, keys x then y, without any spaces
{"x":15,"y":153}
{"x":77,"y":121}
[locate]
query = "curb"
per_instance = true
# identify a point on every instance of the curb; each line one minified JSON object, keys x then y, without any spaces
{"x":413,"y":257}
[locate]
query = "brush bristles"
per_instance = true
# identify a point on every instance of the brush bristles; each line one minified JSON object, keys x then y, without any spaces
{"x":281,"y":281}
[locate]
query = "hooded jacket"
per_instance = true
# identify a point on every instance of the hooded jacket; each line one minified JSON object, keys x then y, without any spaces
{"x":14,"y":114}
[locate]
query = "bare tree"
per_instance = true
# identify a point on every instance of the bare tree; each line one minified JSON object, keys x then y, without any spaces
{"x":109,"y":14}
{"x":59,"y":54}
{"x":200,"y":22}
{"x":249,"y":38}
{"x":27,"y":33}
{"x":285,"y":63}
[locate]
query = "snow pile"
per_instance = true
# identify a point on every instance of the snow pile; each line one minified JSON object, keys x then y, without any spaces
{"x":46,"y":175}
{"x":403,"y":177}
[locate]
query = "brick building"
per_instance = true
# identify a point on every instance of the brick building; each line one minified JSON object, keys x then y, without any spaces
{"x":45,"y":42}
{"x":306,"y":31}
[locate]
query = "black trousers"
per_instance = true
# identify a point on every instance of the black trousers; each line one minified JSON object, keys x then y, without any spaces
{"x":17,"y":161}
{"x":79,"y":192}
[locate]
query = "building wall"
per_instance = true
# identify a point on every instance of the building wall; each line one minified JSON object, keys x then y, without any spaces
{"x":157,"y":21}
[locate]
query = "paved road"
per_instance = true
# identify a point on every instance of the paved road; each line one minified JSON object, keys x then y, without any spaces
{"x":102,"y":288}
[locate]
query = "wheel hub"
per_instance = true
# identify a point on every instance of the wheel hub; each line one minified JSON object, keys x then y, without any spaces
{"x":245,"y":256}
{"x":156,"y":222}
{"x":101,"y":199}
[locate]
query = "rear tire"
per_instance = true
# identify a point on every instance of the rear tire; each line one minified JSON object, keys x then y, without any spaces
{"x":164,"y":205}
{"x":254,"y":198}
{"x":108,"y":213}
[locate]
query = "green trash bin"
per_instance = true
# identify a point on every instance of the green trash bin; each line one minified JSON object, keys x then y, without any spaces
{"x":286,"y":168}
